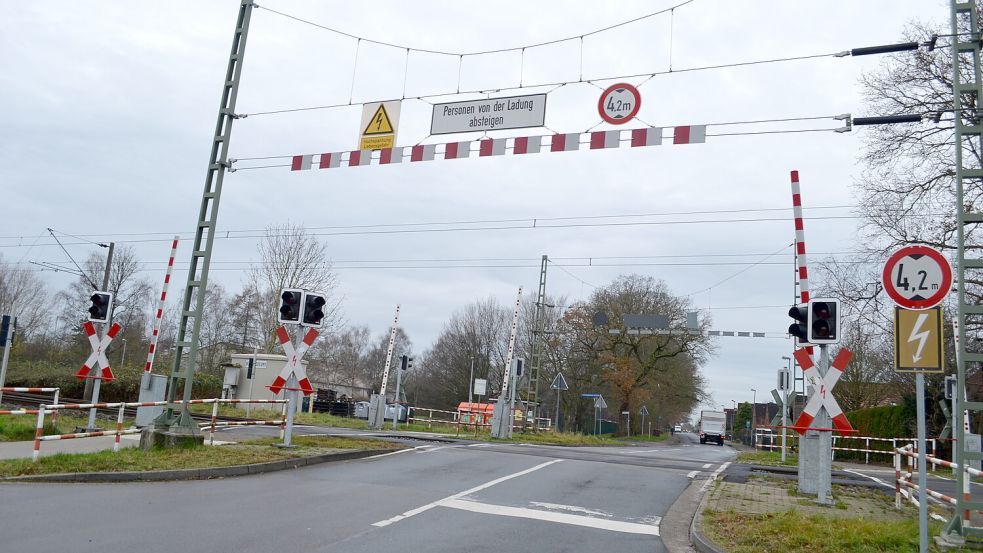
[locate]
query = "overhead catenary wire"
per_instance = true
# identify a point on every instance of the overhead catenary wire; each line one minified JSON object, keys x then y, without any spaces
{"x":475,"y":52}
{"x":484,"y":221}
{"x":523,"y":86}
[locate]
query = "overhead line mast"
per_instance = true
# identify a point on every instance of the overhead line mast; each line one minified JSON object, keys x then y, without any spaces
{"x":187,"y":343}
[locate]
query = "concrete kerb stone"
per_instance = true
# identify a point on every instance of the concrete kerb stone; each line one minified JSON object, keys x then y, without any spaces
{"x":701,"y":542}
{"x":198,"y":474}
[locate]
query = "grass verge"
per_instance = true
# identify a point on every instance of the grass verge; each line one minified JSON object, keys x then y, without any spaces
{"x":791,"y":531}
{"x":135,"y":459}
{"x":16,"y":428}
{"x":768,"y":458}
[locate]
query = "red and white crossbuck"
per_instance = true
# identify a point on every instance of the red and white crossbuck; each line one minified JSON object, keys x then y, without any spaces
{"x":98,"y":354}
{"x":294,"y":356}
{"x":822,"y":395}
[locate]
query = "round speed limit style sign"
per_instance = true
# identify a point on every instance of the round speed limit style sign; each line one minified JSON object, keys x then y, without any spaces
{"x":917,"y":277}
{"x":619,"y":103}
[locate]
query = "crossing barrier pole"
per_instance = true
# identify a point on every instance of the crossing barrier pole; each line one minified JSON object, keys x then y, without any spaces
{"x":119,"y":427}
{"x":38,"y":432}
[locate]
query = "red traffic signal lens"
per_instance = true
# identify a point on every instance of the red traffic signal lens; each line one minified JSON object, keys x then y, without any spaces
{"x":821,"y":310}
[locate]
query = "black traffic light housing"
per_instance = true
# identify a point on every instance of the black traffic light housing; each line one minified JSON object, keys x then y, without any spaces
{"x":290,"y":304}
{"x":405,"y":362}
{"x":799,"y":328}
{"x":313,"y":313}
{"x":102,"y":306}
{"x":824,"y":321}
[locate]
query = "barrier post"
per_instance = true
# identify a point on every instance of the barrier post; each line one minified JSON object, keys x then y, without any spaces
{"x":897,"y":480}
{"x":38,"y":432}
{"x":867,"y":453}
{"x":430,"y":421}
{"x":283,"y":421}
{"x":54,"y":414}
{"x":211,"y":435}
{"x":119,"y":427}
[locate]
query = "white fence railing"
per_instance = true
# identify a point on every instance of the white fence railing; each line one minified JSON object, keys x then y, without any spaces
{"x":766,"y":439}
{"x":42,"y":410}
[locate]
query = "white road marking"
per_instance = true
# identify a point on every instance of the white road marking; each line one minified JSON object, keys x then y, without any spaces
{"x":479,"y":445}
{"x":714,"y":476}
{"x":399,"y":451}
{"x":551,"y":516}
{"x":428,"y":506}
{"x":438,"y":448}
{"x":572,"y":508}
{"x":692,"y":474}
{"x":708,"y":465}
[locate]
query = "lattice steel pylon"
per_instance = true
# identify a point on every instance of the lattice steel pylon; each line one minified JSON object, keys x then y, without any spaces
{"x":967,"y":87}
{"x":183,"y":370}
{"x":538,"y":332}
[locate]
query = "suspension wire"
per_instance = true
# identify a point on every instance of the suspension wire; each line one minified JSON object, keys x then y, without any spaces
{"x":762,"y":261}
{"x":406,"y":71}
{"x":581,"y":58}
{"x":477,"y":52}
{"x":650,"y":75}
{"x":522,"y":65}
{"x":460,"y":65}
{"x":351,"y":93}
{"x":672,"y":24}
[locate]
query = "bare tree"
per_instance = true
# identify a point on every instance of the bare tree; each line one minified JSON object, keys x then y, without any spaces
{"x":17,"y":288}
{"x":289,"y":257}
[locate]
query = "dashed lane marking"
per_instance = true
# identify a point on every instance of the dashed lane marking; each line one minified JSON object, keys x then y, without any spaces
{"x":708,"y":465}
{"x":692,"y":474}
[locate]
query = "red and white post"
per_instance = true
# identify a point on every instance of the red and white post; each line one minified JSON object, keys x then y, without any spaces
{"x":159,"y":315}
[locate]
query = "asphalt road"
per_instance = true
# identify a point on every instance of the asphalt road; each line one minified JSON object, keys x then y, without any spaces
{"x":436,"y":497}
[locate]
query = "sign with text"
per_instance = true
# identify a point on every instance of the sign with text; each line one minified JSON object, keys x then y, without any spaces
{"x":480,"y":386}
{"x":380,"y":121}
{"x":918,"y":340}
{"x":489,"y":114}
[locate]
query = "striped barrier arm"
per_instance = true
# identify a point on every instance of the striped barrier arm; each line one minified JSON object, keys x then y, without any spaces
{"x":28,"y":390}
{"x":159,"y":315}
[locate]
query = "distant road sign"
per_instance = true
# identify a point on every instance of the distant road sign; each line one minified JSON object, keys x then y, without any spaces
{"x":599,"y":403}
{"x":480,"y":386}
{"x":559,"y":383}
{"x":619,"y":103}
{"x":595,"y":396}
{"x":644,"y":411}
{"x":918,"y":340}
{"x":380,"y":121}
{"x":917,"y":277}
{"x":489,"y":114}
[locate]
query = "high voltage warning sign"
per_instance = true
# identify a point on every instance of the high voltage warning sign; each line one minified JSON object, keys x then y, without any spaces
{"x":380,"y":121}
{"x":918,"y":340}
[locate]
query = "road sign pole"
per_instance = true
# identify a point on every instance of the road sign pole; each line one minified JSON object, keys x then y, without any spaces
{"x":784,"y":419}
{"x":292,"y":388}
{"x":922,"y":485}
{"x":556,"y":421}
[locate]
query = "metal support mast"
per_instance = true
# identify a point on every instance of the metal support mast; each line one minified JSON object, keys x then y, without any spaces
{"x":967,"y":87}
{"x":538,"y":332}
{"x":194,"y":291}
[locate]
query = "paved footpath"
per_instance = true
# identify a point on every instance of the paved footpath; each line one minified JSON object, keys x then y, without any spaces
{"x":23,"y":450}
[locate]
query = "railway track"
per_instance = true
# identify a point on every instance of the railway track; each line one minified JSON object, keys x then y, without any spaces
{"x":23,"y":399}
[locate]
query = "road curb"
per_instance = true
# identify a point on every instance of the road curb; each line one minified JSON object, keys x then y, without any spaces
{"x":700,"y":542}
{"x":198,"y":474}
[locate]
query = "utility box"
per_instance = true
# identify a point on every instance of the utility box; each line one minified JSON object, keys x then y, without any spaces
{"x":254,"y":384}
{"x":153,"y":387}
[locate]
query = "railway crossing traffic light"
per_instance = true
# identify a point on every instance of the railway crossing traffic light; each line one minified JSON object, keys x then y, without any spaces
{"x":101,"y":308}
{"x":290,"y":305}
{"x":313,"y":309}
{"x":799,"y":328}
{"x":824,"y":321}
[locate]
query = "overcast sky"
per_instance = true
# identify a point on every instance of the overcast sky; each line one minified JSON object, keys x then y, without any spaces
{"x":108,"y":109}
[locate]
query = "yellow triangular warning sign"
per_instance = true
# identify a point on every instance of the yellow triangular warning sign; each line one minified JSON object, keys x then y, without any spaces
{"x":379,"y":124}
